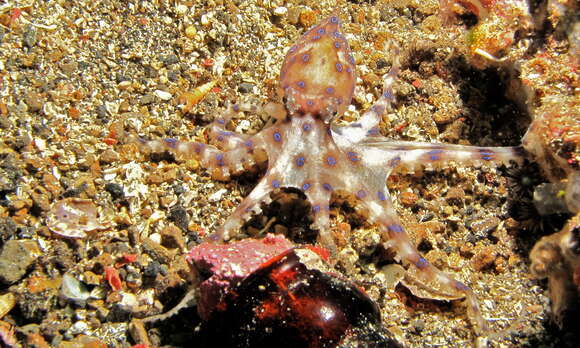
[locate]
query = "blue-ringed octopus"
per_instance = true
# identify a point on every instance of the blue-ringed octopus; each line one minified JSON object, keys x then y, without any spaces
{"x":304,"y":150}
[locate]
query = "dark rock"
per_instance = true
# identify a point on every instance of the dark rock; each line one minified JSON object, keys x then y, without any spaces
{"x":152,"y":269}
{"x":16,"y":257}
{"x":245,"y":87}
{"x":147,"y":99}
{"x":7,"y":229}
{"x":170,"y":59}
{"x":115,"y":190}
{"x":178,"y":215}
{"x":30,"y":38}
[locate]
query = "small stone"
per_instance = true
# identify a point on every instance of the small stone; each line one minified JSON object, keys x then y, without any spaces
{"x":34,"y":102}
{"x":280,"y":11}
{"x":455,"y":195}
{"x":115,"y":190}
{"x":152,"y":269}
{"x":78,"y":328}
{"x":163,"y":95}
{"x":217,"y":196}
{"x":418,"y":325}
{"x":245,"y":87}
{"x":179,"y":216}
{"x":101,"y":111}
{"x":484,"y":259}
{"x":307,"y":18}
{"x":109,"y":156}
{"x":483,"y":227}
{"x":147,"y":99}
{"x":171,"y":238}
{"x":408,"y":199}
{"x":181,"y":9}
{"x":16,"y":257}
{"x":170,"y":59}
{"x":190,"y":31}
{"x":442,"y":117}
{"x":30,"y":37}
{"x":69,"y":68}
{"x":124,"y":84}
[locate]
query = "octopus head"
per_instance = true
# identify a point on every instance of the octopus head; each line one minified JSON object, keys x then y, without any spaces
{"x":318,"y":74}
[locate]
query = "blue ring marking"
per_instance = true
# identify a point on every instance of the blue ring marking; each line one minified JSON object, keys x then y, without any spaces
{"x":275,"y":183}
{"x":336,"y":44}
{"x":351,"y":59}
{"x":353,"y":156}
{"x":171,"y":142}
{"x":300,"y":161}
{"x":221,"y":121}
{"x":395,"y":228}
{"x":316,"y":208}
{"x":301,"y":84}
{"x":277,"y":137}
{"x":338,"y":67}
{"x":309,"y":102}
{"x":336,"y":34}
{"x":460,"y":286}
{"x":388,"y":94}
{"x":220,"y":159}
{"x":316,"y":37}
{"x":305,"y":187}
{"x":486,"y":154}
{"x":220,"y":138}
{"x":198,"y":148}
{"x":330,"y":160}
{"x":330,"y":90}
{"x":378,"y":109}
{"x":421,"y":263}
{"x":381,"y":196}
{"x":327,"y":187}
{"x":305,"y":57}
{"x":434,"y":154}
{"x":307,"y":127}
{"x":249,"y":143}
{"x":395,"y":162}
{"x":361,"y":194}
{"x":321,"y":31}
{"x":236,"y":107}
{"x":334,"y":19}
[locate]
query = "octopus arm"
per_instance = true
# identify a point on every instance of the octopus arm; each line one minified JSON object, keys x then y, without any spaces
{"x":367,"y":124}
{"x":422,"y":277}
{"x":225,"y":139}
{"x":245,"y":210}
{"x":221,"y":164}
{"x":412,"y":154}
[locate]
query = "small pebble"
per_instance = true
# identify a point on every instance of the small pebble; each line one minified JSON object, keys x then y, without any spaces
{"x":280,"y":11}
{"x":163,"y":95}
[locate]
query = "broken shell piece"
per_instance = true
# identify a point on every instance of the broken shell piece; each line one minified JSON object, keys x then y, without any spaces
{"x":7,"y":302}
{"x":73,"y":217}
{"x":73,"y":289}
